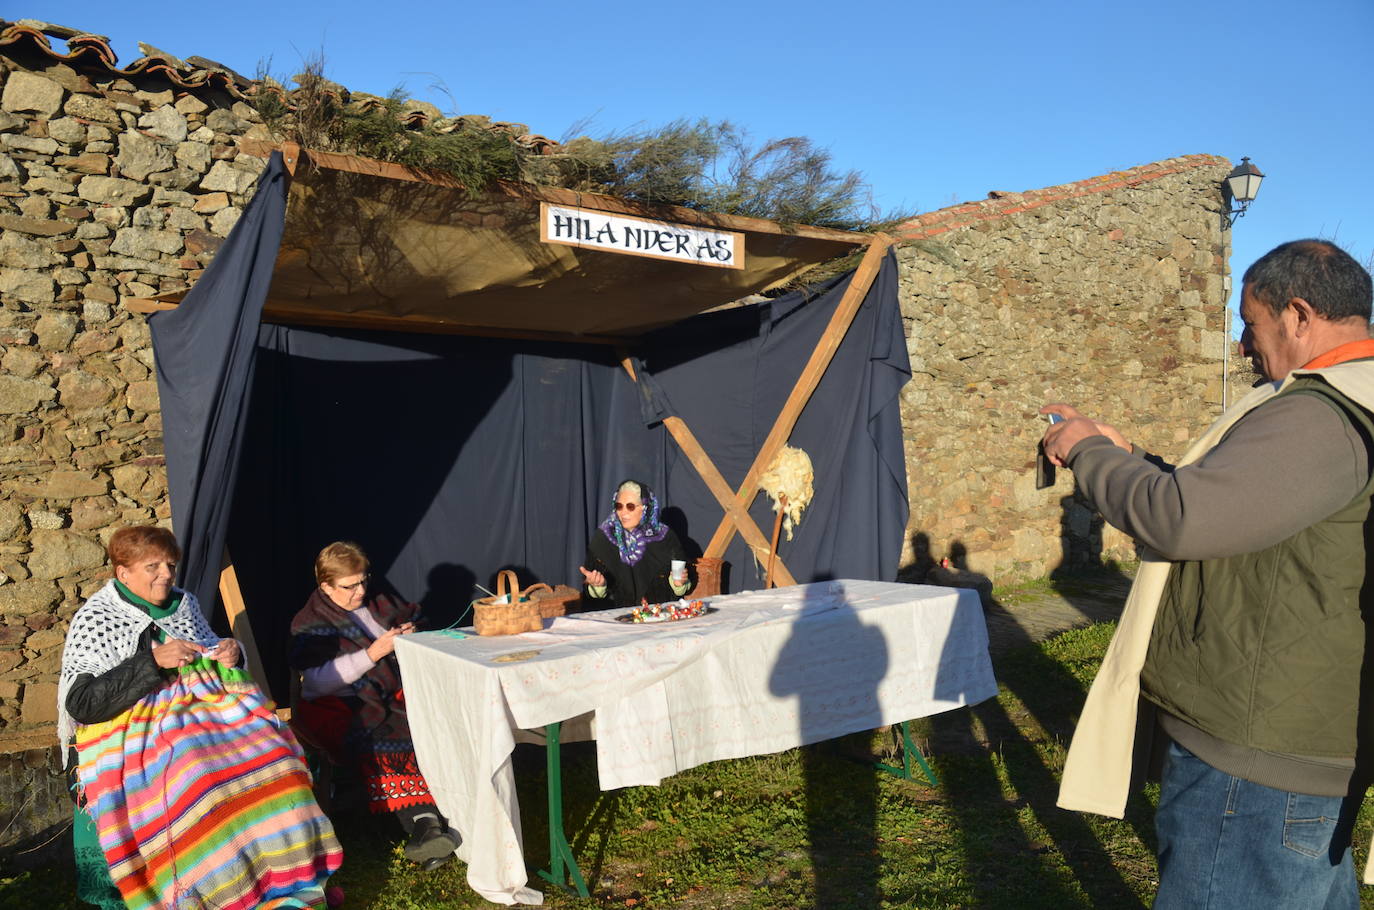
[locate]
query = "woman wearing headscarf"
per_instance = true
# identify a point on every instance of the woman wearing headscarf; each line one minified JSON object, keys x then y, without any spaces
{"x":190,"y":791}
{"x":630,"y":554}
{"x":343,"y":641}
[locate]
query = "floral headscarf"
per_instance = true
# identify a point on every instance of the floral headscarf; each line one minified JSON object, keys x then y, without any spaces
{"x":631,"y":543}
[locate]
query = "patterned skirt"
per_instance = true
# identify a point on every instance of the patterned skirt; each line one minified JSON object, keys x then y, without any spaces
{"x":201,"y":799}
{"x":384,"y":758}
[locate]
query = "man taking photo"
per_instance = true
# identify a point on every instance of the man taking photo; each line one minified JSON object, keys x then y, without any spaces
{"x":1247,"y":625}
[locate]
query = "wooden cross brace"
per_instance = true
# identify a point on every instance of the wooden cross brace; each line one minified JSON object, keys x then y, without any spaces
{"x":736,"y":503}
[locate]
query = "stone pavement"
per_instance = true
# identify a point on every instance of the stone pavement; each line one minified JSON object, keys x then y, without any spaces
{"x":1032,"y":613}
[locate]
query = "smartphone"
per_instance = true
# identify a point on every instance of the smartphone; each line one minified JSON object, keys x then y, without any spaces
{"x":1044,"y":468}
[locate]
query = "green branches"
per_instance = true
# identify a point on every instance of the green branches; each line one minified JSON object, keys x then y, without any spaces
{"x":712,"y":167}
{"x":716,"y":167}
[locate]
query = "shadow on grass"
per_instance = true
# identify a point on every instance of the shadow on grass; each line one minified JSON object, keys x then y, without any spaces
{"x":589,"y":813}
{"x":844,"y":857}
{"x":1002,"y":859}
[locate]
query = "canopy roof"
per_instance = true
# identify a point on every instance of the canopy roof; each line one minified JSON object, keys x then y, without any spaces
{"x":375,"y":245}
{"x":207,"y":353}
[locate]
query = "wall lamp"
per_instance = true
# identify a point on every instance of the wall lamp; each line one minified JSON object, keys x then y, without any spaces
{"x":1240,"y":188}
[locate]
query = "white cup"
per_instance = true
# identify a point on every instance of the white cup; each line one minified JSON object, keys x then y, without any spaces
{"x":677,"y":568}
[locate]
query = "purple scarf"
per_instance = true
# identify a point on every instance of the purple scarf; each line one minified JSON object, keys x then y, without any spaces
{"x":631,"y":543}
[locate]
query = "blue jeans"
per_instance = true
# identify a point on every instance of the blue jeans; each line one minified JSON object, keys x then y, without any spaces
{"x":1228,"y":843}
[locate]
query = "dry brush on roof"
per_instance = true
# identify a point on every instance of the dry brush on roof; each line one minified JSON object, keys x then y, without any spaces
{"x":712,"y":167}
{"x":717,"y":167}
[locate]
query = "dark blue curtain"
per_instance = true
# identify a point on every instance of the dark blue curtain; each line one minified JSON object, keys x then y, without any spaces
{"x":205,"y":351}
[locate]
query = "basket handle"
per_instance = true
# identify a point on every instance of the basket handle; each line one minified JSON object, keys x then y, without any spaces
{"x":537,"y":587}
{"x":507,"y":583}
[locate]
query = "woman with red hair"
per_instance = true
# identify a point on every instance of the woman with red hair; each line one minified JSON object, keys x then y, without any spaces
{"x":191,"y":791}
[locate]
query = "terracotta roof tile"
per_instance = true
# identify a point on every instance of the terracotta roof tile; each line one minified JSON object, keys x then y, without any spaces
{"x":88,"y":51}
{"x":92,"y":54}
{"x":999,"y":203}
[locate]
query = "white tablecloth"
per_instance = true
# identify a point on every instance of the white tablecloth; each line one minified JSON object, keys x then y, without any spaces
{"x":770,"y":670}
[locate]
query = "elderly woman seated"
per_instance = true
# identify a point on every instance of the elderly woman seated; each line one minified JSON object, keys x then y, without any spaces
{"x":190,"y":792}
{"x":343,"y":641}
{"x":630,"y":555}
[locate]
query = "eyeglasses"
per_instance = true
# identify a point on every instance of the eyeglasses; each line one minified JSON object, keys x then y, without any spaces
{"x":627,"y":506}
{"x":355,"y":586}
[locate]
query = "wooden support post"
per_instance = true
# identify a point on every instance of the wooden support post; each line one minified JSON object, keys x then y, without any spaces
{"x":239,"y":627}
{"x":734,"y":514}
{"x":777,"y":532}
{"x":806,"y":384}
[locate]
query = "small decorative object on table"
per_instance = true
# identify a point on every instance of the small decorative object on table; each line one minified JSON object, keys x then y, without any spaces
{"x":669,"y":612}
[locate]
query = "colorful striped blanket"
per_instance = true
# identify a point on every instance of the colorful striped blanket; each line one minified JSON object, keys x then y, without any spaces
{"x":202,"y":800}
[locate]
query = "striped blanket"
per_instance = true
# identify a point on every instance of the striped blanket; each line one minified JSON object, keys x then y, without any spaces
{"x":202,"y":800}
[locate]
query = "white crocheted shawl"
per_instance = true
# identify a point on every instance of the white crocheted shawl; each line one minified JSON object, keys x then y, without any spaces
{"x":105,"y":632}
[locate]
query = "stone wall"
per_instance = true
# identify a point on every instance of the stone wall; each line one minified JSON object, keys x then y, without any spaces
{"x":1109,"y":294}
{"x":110,"y":188}
{"x":121,"y":184}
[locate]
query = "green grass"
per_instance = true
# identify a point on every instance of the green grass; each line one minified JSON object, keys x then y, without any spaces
{"x":1109,"y":579}
{"x":814,"y":827}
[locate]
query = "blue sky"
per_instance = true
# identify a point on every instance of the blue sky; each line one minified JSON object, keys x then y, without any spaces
{"x":933,"y":103}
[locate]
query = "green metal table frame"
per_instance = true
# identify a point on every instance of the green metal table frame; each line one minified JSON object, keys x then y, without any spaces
{"x":562,"y":863}
{"x":909,"y":751}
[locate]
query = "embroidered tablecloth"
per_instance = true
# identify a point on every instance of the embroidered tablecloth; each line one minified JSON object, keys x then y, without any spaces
{"x":767,"y":671}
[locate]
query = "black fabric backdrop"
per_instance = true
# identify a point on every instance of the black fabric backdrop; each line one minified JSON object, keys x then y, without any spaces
{"x":449,"y":458}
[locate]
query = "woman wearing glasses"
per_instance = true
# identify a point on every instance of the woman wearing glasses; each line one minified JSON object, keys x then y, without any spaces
{"x":631,"y":555}
{"x":343,"y":643}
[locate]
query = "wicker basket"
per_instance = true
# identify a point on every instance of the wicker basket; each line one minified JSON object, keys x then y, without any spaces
{"x":518,"y":614}
{"x":555,"y":601}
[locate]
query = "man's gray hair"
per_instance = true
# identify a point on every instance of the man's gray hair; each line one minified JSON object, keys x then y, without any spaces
{"x":1319,"y":272}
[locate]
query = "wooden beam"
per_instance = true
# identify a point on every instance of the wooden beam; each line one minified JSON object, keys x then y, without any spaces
{"x":734,"y":515}
{"x":355,"y":164}
{"x":148,"y":305}
{"x":239,"y":626}
{"x":806,"y":384}
{"x":719,"y":487}
{"x":287,"y":314}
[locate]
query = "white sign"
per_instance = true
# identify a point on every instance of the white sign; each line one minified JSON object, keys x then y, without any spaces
{"x":595,"y":230}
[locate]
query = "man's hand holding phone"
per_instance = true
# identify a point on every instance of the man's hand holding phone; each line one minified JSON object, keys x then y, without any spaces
{"x":1068,"y":428}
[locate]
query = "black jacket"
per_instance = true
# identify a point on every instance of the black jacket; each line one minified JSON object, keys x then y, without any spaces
{"x":627,"y":586}
{"x":93,"y":699}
